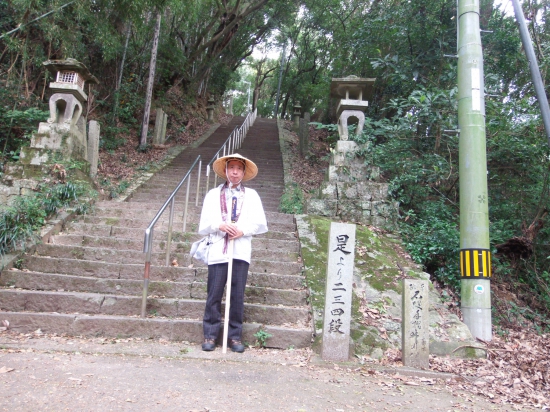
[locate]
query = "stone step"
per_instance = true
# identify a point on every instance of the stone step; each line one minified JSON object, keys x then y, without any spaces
{"x":290,"y":246}
{"x":136,"y":256}
{"x":94,"y":271}
{"x":80,"y":267}
{"x":268,"y":206}
{"x":125,"y":232}
{"x":283,"y":337}
{"x":193,"y":289}
{"x":138,"y":223}
{"x":266,"y":192}
{"x":148,"y":211}
{"x":170,"y":178}
{"x":120,"y":305}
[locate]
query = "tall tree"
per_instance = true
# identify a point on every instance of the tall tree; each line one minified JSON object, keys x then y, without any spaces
{"x":149,"y":94}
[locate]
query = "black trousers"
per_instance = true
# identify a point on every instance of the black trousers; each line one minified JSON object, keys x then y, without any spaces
{"x":217,"y":278}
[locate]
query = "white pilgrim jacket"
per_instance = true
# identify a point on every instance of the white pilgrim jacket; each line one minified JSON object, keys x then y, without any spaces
{"x":252,"y":221}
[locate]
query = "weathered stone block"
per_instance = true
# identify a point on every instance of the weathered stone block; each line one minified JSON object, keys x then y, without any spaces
{"x":159,"y":120}
{"x":322,"y":207}
{"x":338,"y":293}
{"x":93,"y":146}
{"x":378,"y":221}
{"x":329,"y":191}
{"x":415,"y":324}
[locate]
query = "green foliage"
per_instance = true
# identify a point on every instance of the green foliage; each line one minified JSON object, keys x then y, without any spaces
{"x":292,"y":200}
{"x":261,"y":337}
{"x":26,"y":119}
{"x":59,"y":196}
{"x":432,"y":239}
{"x":111,"y":137}
{"x":19,"y":222}
{"x":16,"y":127}
{"x":114,"y":189}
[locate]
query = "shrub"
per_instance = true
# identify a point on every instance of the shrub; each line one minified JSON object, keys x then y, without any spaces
{"x":292,"y":200}
{"x":19,"y":223}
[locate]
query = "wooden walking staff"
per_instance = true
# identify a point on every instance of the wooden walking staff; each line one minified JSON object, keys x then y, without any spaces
{"x":229,"y":276}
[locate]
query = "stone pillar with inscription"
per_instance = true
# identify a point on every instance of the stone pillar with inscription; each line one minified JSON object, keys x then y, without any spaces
{"x":163,"y":131}
{"x":415,"y":334}
{"x":339,"y":287}
{"x":93,"y":146}
{"x":159,"y":121}
{"x":304,"y":134}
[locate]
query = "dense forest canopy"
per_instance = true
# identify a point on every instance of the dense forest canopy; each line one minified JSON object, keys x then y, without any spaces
{"x":206,"y":49}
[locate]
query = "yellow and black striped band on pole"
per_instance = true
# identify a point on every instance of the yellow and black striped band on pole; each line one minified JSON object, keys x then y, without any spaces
{"x":475,"y":263}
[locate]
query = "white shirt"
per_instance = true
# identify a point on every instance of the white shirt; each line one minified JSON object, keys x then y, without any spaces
{"x":252,"y":221}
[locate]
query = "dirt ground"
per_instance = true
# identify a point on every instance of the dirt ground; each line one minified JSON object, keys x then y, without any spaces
{"x":52,"y":373}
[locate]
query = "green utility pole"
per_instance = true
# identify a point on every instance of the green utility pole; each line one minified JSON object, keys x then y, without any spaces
{"x":475,"y":255}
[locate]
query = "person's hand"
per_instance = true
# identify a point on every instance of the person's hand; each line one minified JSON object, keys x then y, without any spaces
{"x":232,"y":230}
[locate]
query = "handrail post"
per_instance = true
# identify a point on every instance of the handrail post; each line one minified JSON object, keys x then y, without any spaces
{"x":170,"y":221}
{"x":186,"y":203}
{"x":198,"y":183}
{"x":207,"y":179}
{"x":146,"y":275}
{"x":148,"y":240}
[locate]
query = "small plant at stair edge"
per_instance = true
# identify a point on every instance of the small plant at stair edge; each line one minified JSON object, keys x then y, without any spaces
{"x":261,"y":337}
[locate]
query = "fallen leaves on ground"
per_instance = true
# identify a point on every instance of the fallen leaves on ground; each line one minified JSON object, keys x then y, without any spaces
{"x":308,"y":171}
{"x":122,"y":163}
{"x":515,"y":371}
{"x":5,"y":369}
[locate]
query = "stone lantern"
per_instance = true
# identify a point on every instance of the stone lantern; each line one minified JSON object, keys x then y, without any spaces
{"x":296,"y":115}
{"x":351,"y":90}
{"x":210,"y":109}
{"x":64,"y":133}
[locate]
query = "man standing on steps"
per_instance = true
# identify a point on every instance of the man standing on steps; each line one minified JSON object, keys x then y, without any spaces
{"x":229,"y":212}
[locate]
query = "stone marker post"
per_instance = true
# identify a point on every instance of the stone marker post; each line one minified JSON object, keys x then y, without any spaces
{"x":303,"y":134}
{"x":93,"y":146}
{"x":163,"y":131}
{"x":415,"y":334}
{"x":336,"y":325}
{"x":230,"y":111}
{"x":301,"y":137}
{"x":158,"y":126}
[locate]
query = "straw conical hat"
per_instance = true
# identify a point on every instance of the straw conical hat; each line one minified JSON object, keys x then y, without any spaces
{"x":250,"y":168}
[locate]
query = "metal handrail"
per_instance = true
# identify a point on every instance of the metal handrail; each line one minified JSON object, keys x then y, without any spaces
{"x":148,"y":239}
{"x":232,"y":143}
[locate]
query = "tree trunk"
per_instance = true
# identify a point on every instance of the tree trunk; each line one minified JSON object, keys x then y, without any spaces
{"x":119,"y":80}
{"x":128,"y":31}
{"x":148,"y":96}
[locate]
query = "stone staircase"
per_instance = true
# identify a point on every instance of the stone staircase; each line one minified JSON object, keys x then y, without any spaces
{"x":88,"y":279}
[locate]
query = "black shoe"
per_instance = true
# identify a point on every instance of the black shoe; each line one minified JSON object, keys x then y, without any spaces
{"x":209,"y":345}
{"x":236,"y":346}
